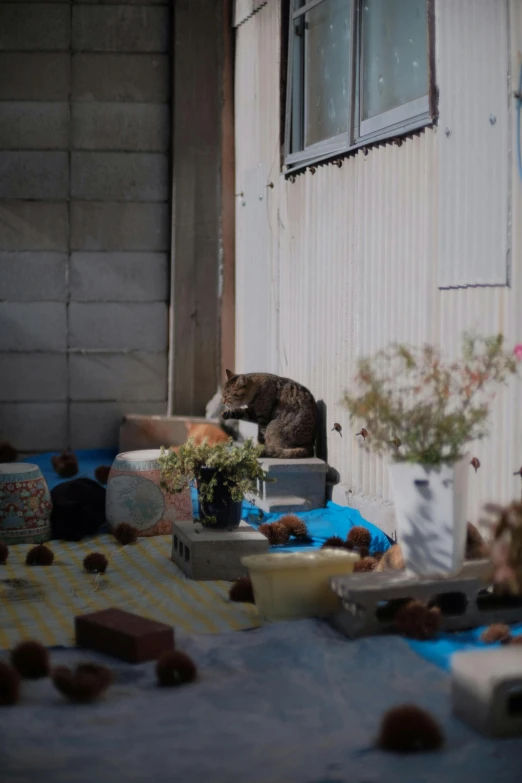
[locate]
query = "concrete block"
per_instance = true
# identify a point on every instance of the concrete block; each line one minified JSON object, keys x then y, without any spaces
{"x":119,"y":176}
{"x":120,"y":28}
{"x":294,"y":484}
{"x":96,"y":226}
{"x":33,"y":427}
{"x":120,"y":2}
{"x":30,"y":27}
{"x":30,"y":225}
{"x":117,"y":327}
{"x":486,"y":690}
{"x":34,"y":326}
{"x":34,"y":126}
{"x":123,"y":126}
{"x":34,"y":77}
{"x":113,"y":277}
{"x":42,"y":176}
{"x":142,"y":78}
{"x":95,"y":425}
{"x":371,"y":600}
{"x":205,"y":554}
{"x":33,"y":377}
{"x":138,"y":376}
{"x":32,"y":276}
{"x":151,"y":432}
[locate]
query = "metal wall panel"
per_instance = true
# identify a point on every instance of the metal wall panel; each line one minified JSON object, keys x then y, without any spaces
{"x":354,"y":253}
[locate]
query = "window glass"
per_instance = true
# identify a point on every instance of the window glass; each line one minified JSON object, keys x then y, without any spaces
{"x":394,"y":58}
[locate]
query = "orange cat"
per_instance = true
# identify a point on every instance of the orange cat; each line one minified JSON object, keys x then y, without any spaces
{"x":199,"y":432}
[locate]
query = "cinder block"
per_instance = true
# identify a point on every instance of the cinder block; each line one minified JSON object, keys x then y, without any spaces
{"x":96,"y":226}
{"x":142,"y":78}
{"x":120,"y":28}
{"x":34,"y":326}
{"x":30,"y":225}
{"x":117,"y":327}
{"x":151,"y":432}
{"x":26,"y":27}
{"x":33,"y":377}
{"x":95,"y":425}
{"x":33,"y":427}
{"x":119,"y":176}
{"x":121,"y":2}
{"x":32,"y":277}
{"x":42,"y":176}
{"x":205,"y":554}
{"x":486,"y":690}
{"x":34,"y":126}
{"x":137,"y":376}
{"x":123,"y":126}
{"x":119,"y":277}
{"x":34,"y":77}
{"x":293,"y":485}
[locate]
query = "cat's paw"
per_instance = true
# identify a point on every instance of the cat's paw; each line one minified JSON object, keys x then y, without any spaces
{"x":228,"y":414}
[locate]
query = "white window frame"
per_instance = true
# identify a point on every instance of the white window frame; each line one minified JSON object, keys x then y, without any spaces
{"x":403,"y":119}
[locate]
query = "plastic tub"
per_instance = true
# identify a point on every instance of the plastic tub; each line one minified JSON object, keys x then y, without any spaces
{"x":297,"y":584}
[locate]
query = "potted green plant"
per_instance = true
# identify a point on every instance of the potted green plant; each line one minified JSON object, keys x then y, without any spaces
{"x":423,"y":412}
{"x":224,"y":474}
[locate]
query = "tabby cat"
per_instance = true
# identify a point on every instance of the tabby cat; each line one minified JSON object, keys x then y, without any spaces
{"x":285,"y":412}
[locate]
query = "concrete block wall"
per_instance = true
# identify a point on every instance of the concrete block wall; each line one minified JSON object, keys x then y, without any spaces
{"x":85,"y":136}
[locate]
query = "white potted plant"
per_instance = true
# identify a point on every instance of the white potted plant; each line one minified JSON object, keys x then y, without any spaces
{"x":423,"y":412}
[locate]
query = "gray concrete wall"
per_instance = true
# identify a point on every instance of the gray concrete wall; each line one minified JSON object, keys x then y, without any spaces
{"x":84,"y":218}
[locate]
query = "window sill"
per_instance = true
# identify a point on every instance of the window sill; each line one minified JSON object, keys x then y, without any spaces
{"x":299,"y":162}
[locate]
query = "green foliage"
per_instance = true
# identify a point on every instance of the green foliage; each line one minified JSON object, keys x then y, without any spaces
{"x":237,"y":467}
{"x":421,"y":408}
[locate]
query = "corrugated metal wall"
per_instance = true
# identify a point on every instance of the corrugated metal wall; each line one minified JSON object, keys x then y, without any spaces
{"x":354,"y":254}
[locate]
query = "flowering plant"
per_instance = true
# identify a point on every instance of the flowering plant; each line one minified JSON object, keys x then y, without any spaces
{"x":237,"y":467}
{"x":423,"y":408}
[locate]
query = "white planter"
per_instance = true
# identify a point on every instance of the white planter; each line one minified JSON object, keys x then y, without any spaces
{"x":431,"y":515}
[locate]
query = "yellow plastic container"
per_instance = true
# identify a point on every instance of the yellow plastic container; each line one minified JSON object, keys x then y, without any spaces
{"x":297,"y":584}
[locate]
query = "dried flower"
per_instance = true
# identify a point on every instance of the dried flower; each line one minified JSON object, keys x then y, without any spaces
{"x":334,"y":542}
{"x":417,"y":621}
{"x":65,"y":464}
{"x":497,"y":632}
{"x":31,"y":660}
{"x":359,"y":536}
{"x":409,"y":729}
{"x":175,"y":668}
{"x":40,"y":555}
{"x":84,"y":685}
{"x":365,"y":564}
{"x":295,"y":526}
{"x":9,"y":685}
{"x":506,"y":548}
{"x":125,"y":534}
{"x":101,"y":474}
{"x":475,"y":463}
{"x":432,"y":407}
{"x":337,"y":428}
{"x":242,"y":591}
{"x":8,"y":453}
{"x":4,"y":553}
{"x":517,"y":351}
{"x":363,"y":433}
{"x":95,"y":563}
{"x":276,"y":533}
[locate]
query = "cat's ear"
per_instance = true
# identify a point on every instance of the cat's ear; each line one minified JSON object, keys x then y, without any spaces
{"x":230,"y":374}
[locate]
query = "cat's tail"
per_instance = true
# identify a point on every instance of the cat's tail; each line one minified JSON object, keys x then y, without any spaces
{"x":300,"y":453}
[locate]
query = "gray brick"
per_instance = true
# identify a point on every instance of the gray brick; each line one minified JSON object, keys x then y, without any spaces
{"x":117,"y":327}
{"x":34,"y":126}
{"x":138,"y":376}
{"x":34,"y":77}
{"x":29,"y":27}
{"x":120,"y":28}
{"x":97,"y":424}
{"x":38,"y":326}
{"x":120,"y":2}
{"x":34,"y":175}
{"x":33,"y":377}
{"x":32,"y":276}
{"x":96,"y":226}
{"x":124,"y":126}
{"x":29,"y":225}
{"x":33,"y":427}
{"x":119,"y":277}
{"x":126,"y":77}
{"x":119,"y":176}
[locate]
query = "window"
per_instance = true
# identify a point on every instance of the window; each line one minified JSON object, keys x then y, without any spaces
{"x":358,"y":72}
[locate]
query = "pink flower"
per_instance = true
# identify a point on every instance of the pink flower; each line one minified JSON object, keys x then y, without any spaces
{"x":518,"y":351}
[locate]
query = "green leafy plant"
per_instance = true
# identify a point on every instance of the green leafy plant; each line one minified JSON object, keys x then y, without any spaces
{"x":419,"y":407}
{"x":236,"y":467}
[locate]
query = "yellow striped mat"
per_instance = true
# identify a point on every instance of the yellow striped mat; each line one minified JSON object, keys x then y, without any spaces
{"x":38,"y":602}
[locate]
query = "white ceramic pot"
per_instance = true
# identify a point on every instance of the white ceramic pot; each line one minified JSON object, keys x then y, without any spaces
{"x":430,"y":506}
